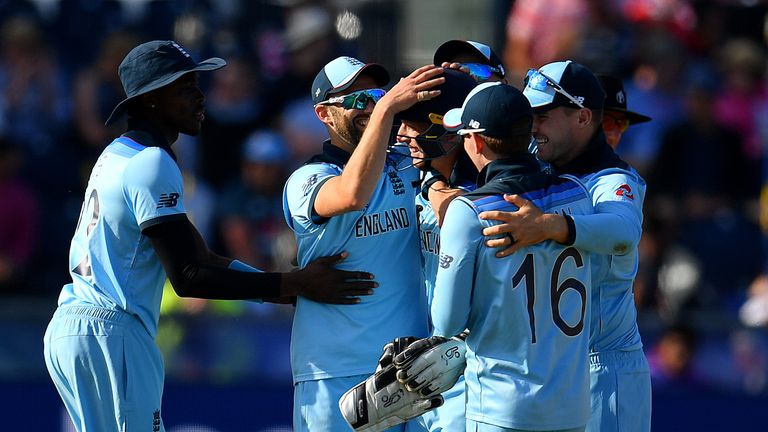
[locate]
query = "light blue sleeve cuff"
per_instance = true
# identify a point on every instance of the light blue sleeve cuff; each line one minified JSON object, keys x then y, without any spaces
{"x":241,"y":266}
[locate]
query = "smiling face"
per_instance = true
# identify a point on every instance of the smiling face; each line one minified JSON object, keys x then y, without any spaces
{"x":553,"y":131}
{"x":179,"y":107}
{"x":351,"y":123}
{"x":412,"y":129}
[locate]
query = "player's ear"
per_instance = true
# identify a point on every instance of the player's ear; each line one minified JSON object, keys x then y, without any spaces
{"x":585,"y":117}
{"x":476,"y":143}
{"x":323,"y":112}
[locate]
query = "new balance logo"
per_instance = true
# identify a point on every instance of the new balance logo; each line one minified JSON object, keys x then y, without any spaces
{"x":156,"y":421}
{"x":445,"y":261}
{"x":168,"y":200}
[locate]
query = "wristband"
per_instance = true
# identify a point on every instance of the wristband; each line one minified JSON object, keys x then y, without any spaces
{"x":571,"y":239}
{"x":243,"y":267}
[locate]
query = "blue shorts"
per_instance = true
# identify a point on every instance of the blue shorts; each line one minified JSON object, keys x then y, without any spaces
{"x":316,"y":406}
{"x":107,"y":369}
{"x":620,"y":391}
{"x":476,"y":426}
{"x":451,"y":415}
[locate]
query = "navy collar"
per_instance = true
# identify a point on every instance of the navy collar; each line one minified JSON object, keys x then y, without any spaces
{"x":331,"y":154}
{"x":147,"y":135}
{"x":519,"y":164}
{"x":596,"y":157}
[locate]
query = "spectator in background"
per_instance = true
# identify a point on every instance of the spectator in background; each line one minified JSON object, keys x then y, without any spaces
{"x":97,"y":90}
{"x":233,"y":111}
{"x":531,"y":41}
{"x":33,"y":95}
{"x":19,"y":219}
{"x":250,"y":217}
{"x":671,"y":360}
{"x":700,"y":185}
{"x":309,"y":44}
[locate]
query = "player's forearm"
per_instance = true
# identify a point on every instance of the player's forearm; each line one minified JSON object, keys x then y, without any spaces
{"x":221,"y":283}
{"x":362,"y":172}
{"x":607,"y":233}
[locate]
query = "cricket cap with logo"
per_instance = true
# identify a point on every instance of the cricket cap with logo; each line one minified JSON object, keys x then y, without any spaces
{"x":572,"y":78}
{"x":156,"y":64}
{"x":340,"y":73}
{"x":616,"y":99}
{"x":492,"y":109}
{"x":449,"y":51}
{"x":453,"y":91}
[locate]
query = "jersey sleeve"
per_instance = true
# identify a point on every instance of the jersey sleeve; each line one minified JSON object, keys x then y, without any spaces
{"x":154,"y":188}
{"x":616,"y":226}
{"x":300,"y":193}
{"x":460,"y":237}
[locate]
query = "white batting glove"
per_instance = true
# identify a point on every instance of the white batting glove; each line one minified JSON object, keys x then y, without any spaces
{"x":432,"y":365}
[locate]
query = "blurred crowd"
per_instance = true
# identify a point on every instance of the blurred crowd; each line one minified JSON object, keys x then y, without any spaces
{"x":697,"y":67}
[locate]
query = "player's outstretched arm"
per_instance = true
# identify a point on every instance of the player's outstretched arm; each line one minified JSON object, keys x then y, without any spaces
{"x":194,"y":271}
{"x":524,"y":227}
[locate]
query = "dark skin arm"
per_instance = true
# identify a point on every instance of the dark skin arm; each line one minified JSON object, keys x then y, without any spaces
{"x":195,"y":271}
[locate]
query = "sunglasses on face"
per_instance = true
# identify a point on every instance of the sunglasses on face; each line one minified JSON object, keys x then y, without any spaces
{"x":481,"y":72}
{"x":615,"y":124}
{"x":356,"y":100}
{"x":538,"y":81}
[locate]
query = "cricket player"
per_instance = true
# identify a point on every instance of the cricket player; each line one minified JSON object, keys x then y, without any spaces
{"x":527,"y":313}
{"x":568,"y":101}
{"x":440,"y":155}
{"x":616,"y":117}
{"x":352,"y":197}
{"x":133,"y":232}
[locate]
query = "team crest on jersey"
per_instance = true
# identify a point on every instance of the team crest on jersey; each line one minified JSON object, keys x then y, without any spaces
{"x":397,"y":183}
{"x":625,"y":191}
{"x":445,"y":260}
{"x":168,"y":200}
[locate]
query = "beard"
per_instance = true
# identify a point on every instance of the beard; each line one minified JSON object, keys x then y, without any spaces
{"x":346,"y":128}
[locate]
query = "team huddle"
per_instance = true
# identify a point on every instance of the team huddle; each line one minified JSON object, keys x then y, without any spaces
{"x":467,"y":250}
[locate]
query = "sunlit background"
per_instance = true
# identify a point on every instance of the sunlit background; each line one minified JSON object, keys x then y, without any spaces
{"x":697,"y":67}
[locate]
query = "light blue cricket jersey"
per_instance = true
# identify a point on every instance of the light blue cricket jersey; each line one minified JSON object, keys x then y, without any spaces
{"x":528,"y":314}
{"x":429,"y":235}
{"x":613,"y":234}
{"x":331,"y":341}
{"x":112,"y":264}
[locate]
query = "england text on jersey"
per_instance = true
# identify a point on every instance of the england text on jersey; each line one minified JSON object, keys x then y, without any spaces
{"x":383,"y":222}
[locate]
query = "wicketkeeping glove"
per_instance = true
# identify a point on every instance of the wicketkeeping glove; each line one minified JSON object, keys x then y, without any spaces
{"x":392,"y":349}
{"x":432,"y":365}
{"x":380,"y":402}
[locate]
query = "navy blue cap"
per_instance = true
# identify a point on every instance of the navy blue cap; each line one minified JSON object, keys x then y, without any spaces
{"x":449,"y":51}
{"x":453,"y":91}
{"x":156,"y":64}
{"x":491,"y":109}
{"x":340,"y":73}
{"x":616,"y":99}
{"x":575,"y":79}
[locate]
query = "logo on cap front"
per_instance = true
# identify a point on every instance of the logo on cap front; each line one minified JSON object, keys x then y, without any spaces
{"x":354,"y":61}
{"x":317,"y":92}
{"x":620,"y":97}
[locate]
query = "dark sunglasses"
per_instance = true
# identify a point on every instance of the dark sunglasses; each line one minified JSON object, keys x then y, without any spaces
{"x":356,"y":100}
{"x":481,"y":72}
